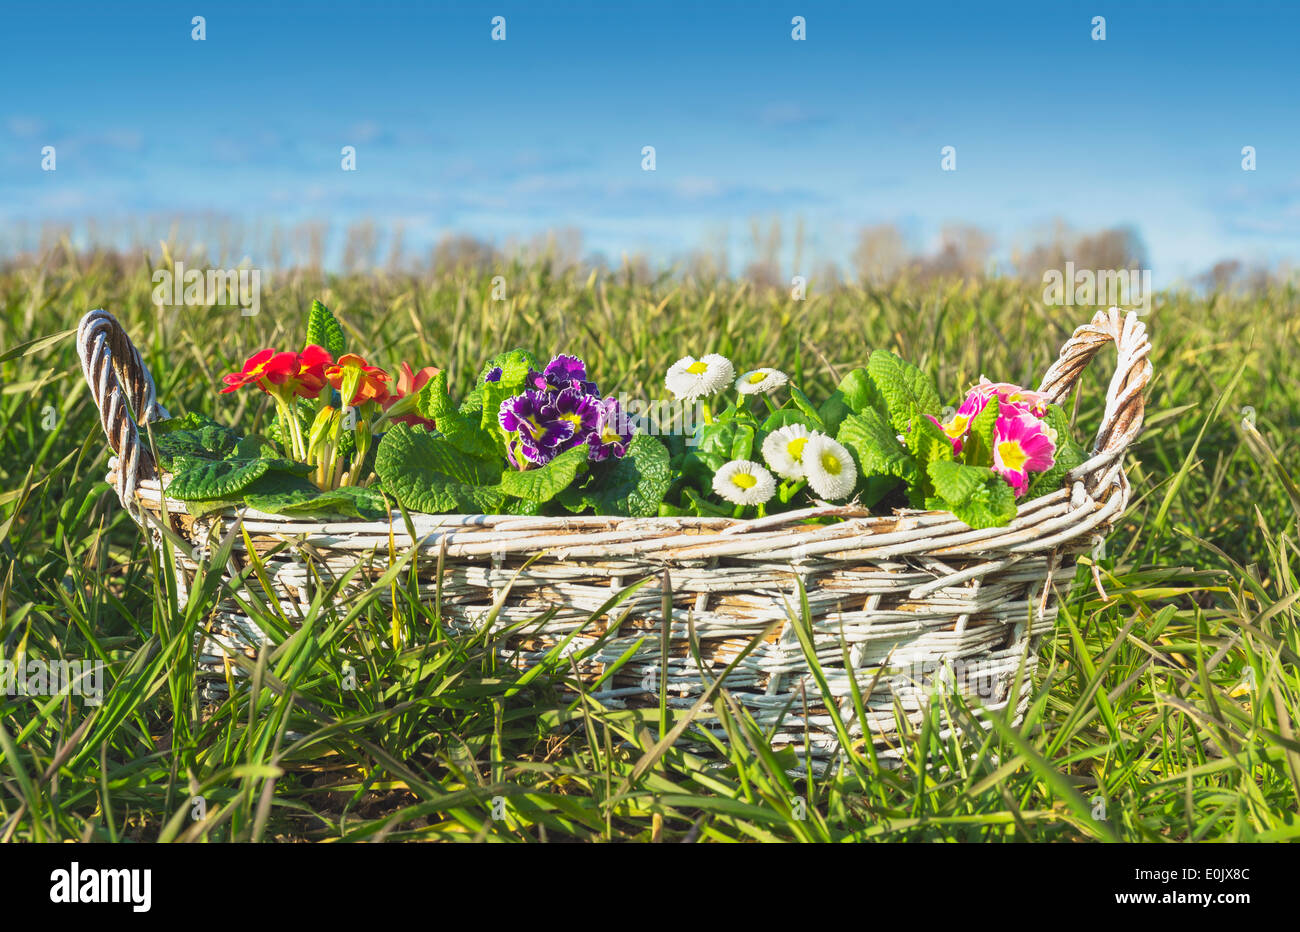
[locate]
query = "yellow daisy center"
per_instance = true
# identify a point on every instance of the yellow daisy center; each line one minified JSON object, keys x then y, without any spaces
{"x":831,"y":463}
{"x":744,"y":480}
{"x":1013,"y":457}
{"x":795,"y":448}
{"x":698,"y":368}
{"x":756,"y":377}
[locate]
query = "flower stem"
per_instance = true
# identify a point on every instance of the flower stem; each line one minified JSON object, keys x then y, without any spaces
{"x":299,"y":443}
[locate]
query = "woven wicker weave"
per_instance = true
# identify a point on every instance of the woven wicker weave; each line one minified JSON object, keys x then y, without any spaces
{"x":916,"y":600}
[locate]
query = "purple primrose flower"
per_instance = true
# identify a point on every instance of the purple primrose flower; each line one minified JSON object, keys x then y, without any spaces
{"x":533,"y":416}
{"x":562,"y":372}
{"x":612,"y":434}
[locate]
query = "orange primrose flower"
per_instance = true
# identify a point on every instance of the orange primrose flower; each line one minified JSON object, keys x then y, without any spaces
{"x":371,"y":381}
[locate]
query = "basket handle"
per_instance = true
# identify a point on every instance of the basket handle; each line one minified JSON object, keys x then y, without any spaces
{"x":1122,"y":419}
{"x":117,"y":376}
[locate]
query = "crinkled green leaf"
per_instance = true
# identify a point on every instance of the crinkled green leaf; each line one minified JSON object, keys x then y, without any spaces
{"x":350,"y":501}
{"x":856,"y":392}
{"x":1069,"y":454}
{"x":426,"y":473}
{"x":252,"y":448}
{"x":860,"y":392}
{"x":515,"y":366}
{"x":906,"y":390}
{"x":955,"y":483}
{"x":216,"y":479}
{"x":463,"y":432}
{"x":324,"y":330}
{"x":293,"y":467}
{"x":545,"y":482}
{"x":978,"y":447}
{"x":192,"y":436}
{"x":634,"y":485}
{"x":875,"y":445}
{"x":927,"y":442}
{"x":207,"y":506}
{"x":974,"y":494}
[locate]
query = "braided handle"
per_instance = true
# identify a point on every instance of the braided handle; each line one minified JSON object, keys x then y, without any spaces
{"x":1122,"y":419}
{"x":117,"y":376}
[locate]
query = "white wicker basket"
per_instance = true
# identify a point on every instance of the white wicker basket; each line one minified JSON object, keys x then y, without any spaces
{"x":917,"y":601}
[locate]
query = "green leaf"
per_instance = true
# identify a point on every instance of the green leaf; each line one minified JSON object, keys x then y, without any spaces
{"x":714,"y":442}
{"x":190,"y":421}
{"x":252,"y":448}
{"x":426,"y":473}
{"x":742,"y":442}
{"x":856,"y":393}
{"x":956,"y":483}
{"x":216,"y":479}
{"x":876,"y":447}
{"x":974,"y":494}
{"x":978,"y":448}
{"x":927,"y":441}
{"x":192,"y":436}
{"x":1069,"y":454}
{"x":464,"y":433}
{"x":784,"y":417}
{"x":860,"y":392}
{"x":324,"y":330}
{"x":472,"y":406}
{"x":206,"y":506}
{"x":545,"y":482}
{"x":906,"y":390}
{"x":634,"y":485}
{"x":350,"y":501}
{"x":804,"y":404}
{"x":515,"y":367}
{"x":873,"y":488}
{"x":703,"y":508}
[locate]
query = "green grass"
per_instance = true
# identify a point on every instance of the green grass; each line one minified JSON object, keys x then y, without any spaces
{"x":1169,"y":707}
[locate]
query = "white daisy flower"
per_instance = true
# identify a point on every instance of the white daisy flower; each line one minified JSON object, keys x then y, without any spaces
{"x":742,"y":482}
{"x":783,"y":450}
{"x":690,"y":378}
{"x":829,"y":467}
{"x":761,"y":381}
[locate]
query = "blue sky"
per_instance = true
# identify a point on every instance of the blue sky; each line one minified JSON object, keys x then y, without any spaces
{"x":457,"y":133}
